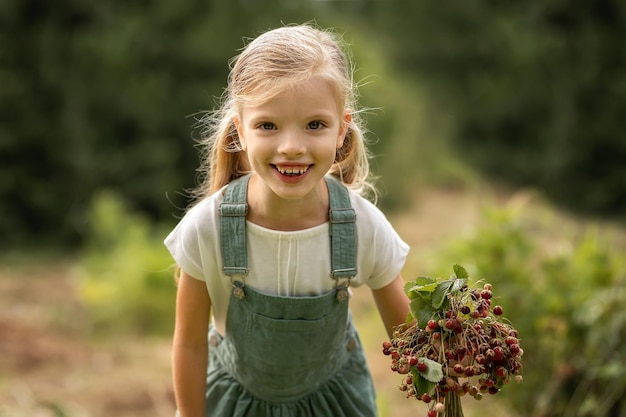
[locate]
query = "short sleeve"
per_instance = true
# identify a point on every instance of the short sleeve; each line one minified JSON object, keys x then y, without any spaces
{"x":381,"y":251}
{"x":183,"y":245}
{"x":192,"y":243}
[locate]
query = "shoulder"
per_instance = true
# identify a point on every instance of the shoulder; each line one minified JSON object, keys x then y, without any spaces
{"x":366,"y":211}
{"x":208,"y":206}
{"x":204,"y":215}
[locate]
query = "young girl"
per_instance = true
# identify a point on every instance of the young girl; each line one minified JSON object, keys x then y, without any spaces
{"x":278,"y":235}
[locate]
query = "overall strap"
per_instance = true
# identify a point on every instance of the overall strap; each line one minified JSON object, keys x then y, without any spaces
{"x":342,"y":230}
{"x":233,"y":212}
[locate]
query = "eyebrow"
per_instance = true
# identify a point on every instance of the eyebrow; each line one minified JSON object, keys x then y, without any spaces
{"x":256,"y":118}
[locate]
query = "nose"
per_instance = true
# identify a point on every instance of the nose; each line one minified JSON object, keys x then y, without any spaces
{"x":291,"y":143}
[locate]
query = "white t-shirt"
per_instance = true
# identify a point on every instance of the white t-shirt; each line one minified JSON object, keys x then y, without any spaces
{"x":284,"y":263}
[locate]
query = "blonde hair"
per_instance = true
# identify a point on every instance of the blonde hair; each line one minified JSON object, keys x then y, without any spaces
{"x":277,"y":60}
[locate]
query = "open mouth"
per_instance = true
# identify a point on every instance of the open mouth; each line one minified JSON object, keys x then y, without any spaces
{"x":292,"y":171}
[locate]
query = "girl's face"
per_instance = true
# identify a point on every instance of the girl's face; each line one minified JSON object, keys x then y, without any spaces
{"x":291,"y":140}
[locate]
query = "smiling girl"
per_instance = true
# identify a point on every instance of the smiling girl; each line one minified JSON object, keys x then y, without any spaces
{"x":279,"y":233}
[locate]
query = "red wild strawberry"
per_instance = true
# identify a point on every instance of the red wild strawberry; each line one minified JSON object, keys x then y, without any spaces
{"x":432,"y":324}
{"x":510,"y":340}
{"x":498,"y":353}
{"x":422,"y":367}
{"x":451,"y":324}
{"x":497,"y":310}
{"x":404,"y":369}
{"x":501,"y":371}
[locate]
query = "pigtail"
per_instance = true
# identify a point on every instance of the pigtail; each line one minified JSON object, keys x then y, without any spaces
{"x":229,"y":160}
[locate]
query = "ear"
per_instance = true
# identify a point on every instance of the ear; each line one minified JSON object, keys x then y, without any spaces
{"x":343,"y":130}
{"x":240,"y":135}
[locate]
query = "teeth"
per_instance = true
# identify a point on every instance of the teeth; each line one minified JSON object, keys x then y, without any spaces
{"x":292,"y":170}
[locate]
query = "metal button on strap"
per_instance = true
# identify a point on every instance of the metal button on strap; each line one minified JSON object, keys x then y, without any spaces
{"x":239,"y":293}
{"x":238,"y":290}
{"x":342,"y":294}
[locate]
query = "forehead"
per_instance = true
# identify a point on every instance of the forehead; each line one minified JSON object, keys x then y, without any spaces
{"x":315,"y":94}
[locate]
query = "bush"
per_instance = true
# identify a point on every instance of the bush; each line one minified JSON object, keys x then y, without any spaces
{"x":566,"y":298}
{"x":125,"y":276}
{"x":533,"y":92}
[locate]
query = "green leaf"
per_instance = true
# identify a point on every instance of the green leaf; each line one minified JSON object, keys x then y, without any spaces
{"x":409,"y":318}
{"x":434,"y":370}
{"x":421,"y":284}
{"x":408,"y":286}
{"x":440,"y":293}
{"x":423,"y":280}
{"x":460,"y":272}
{"x":426,"y":295}
{"x":422,"y":385}
{"x":422,"y":311}
{"x":419,"y":281}
{"x":457,"y":285}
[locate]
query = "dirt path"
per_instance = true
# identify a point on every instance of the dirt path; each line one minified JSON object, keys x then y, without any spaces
{"x":49,"y":366}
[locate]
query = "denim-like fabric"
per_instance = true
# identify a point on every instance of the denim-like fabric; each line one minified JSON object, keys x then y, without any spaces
{"x":288,"y":356}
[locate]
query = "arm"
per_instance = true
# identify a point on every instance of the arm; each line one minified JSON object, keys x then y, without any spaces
{"x":190,"y":347}
{"x":392,"y":303}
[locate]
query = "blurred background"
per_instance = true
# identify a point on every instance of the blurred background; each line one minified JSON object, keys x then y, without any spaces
{"x":499,"y":141}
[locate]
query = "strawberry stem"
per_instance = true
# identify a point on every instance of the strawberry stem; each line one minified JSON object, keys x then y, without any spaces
{"x":453,"y":404}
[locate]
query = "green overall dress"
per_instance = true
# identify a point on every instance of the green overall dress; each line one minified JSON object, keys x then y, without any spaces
{"x":288,"y":356}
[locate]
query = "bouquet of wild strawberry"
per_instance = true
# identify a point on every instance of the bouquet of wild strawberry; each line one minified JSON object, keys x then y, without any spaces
{"x":454,"y":343}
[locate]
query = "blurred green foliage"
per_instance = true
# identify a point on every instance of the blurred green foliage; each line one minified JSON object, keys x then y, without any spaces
{"x":125,"y":275}
{"x":102,"y":95}
{"x":533,"y":93}
{"x":565,"y":296}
